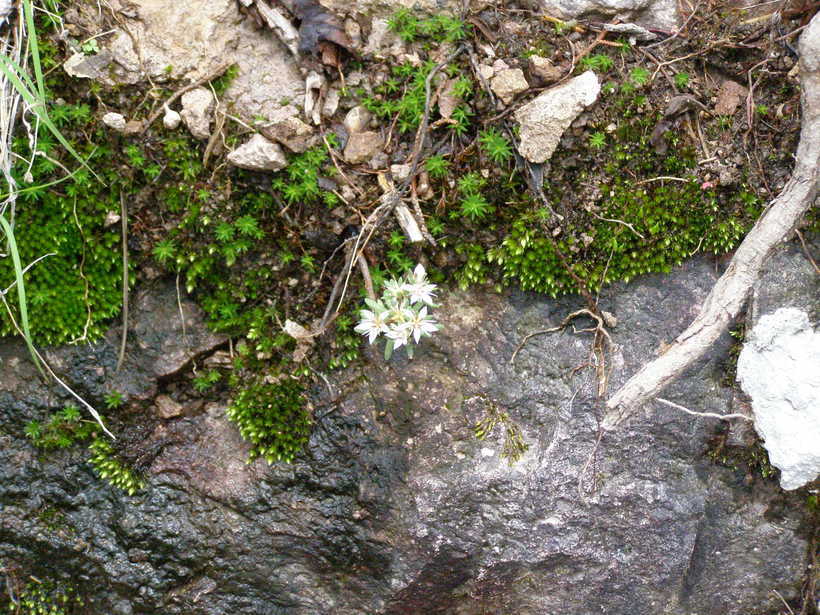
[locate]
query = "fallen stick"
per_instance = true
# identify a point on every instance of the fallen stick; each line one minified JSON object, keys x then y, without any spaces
{"x":729,"y":294}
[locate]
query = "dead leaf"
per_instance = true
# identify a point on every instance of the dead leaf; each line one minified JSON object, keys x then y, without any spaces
{"x":729,"y":97}
{"x":447,"y":101}
{"x":318,"y":24}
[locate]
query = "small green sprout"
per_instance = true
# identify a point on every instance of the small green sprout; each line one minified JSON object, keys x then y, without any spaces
{"x":682,"y":80}
{"x":475,"y":207}
{"x":599,"y":62}
{"x":495,"y":145}
{"x":114,"y":400}
{"x":639,"y":76}
{"x":597,"y":140}
{"x":437,"y":166}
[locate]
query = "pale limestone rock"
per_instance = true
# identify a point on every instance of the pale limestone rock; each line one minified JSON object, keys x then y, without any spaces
{"x":509,"y":82}
{"x":115,"y":121}
{"x":88,"y":67}
{"x":357,"y":119}
{"x":258,"y":154}
{"x":192,"y":39}
{"x":362,"y":146}
{"x":779,"y":368}
{"x":657,"y":14}
{"x":544,"y":119}
{"x":197,"y":107}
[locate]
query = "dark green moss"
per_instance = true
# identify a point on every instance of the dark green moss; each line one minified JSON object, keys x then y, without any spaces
{"x":273,"y":417}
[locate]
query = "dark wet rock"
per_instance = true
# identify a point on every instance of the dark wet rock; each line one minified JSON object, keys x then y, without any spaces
{"x":396,"y":507}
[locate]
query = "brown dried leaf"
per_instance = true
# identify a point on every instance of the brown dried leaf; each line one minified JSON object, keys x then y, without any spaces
{"x":318,"y":24}
{"x":729,"y":97}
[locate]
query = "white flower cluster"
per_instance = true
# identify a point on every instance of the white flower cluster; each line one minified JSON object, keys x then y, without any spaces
{"x":401,"y":313}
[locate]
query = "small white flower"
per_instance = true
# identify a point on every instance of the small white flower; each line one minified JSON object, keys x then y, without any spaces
{"x":418,"y":323}
{"x":400,"y":334}
{"x":372,"y":324}
{"x":419,"y":288}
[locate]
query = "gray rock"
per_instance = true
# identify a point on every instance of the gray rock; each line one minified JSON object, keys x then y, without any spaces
{"x":176,"y":40}
{"x":659,"y":14}
{"x":197,"y":108}
{"x":189,"y":40}
{"x":357,"y":119}
{"x":779,"y":369}
{"x":362,"y":146}
{"x":290,"y":131}
{"x":507,"y":83}
{"x":88,"y":67}
{"x":258,"y":154}
{"x":115,"y":121}
{"x":397,"y":508}
{"x":544,"y":119}
{"x":544,"y":70}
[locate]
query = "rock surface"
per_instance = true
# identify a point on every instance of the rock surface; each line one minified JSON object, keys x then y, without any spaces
{"x":290,"y":131}
{"x":779,"y":368}
{"x":362,"y":146}
{"x":659,"y":14}
{"x":191,"y":40}
{"x":197,"y":109}
{"x":258,"y":154}
{"x":115,"y":121}
{"x":396,"y":507}
{"x":544,"y":70}
{"x":545,"y":118}
{"x":507,"y":83}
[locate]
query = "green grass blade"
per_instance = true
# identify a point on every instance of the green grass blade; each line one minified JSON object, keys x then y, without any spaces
{"x":24,"y":86}
{"x":34,"y":49}
{"x":21,"y":290}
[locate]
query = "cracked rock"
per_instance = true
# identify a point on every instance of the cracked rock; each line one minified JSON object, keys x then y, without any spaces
{"x":291,"y":132}
{"x":543,"y":70}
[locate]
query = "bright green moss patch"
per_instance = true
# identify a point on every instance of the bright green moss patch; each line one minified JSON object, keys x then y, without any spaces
{"x":42,"y":598}
{"x":112,"y":469}
{"x":273,"y":417}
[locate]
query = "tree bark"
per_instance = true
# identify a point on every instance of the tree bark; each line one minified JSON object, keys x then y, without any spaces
{"x":729,"y":294}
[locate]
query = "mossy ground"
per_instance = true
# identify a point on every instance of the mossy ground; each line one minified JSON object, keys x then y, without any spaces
{"x":257,"y":250}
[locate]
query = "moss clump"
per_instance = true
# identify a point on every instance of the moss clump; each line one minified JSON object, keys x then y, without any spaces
{"x":108,"y":466}
{"x":61,"y":430}
{"x":637,"y":225}
{"x":38,"y":598}
{"x":273,"y":417}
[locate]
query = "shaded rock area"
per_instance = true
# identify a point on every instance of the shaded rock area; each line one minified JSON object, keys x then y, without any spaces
{"x":396,"y":506}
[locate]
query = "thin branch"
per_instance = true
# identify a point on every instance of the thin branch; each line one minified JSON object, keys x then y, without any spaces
{"x":124,"y":218}
{"x":728,"y":296}
{"x":709,"y":415}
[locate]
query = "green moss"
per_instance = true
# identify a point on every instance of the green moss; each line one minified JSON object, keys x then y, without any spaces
{"x":62,"y":429}
{"x":273,"y":417}
{"x":112,"y":469}
{"x":44,"y":598}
